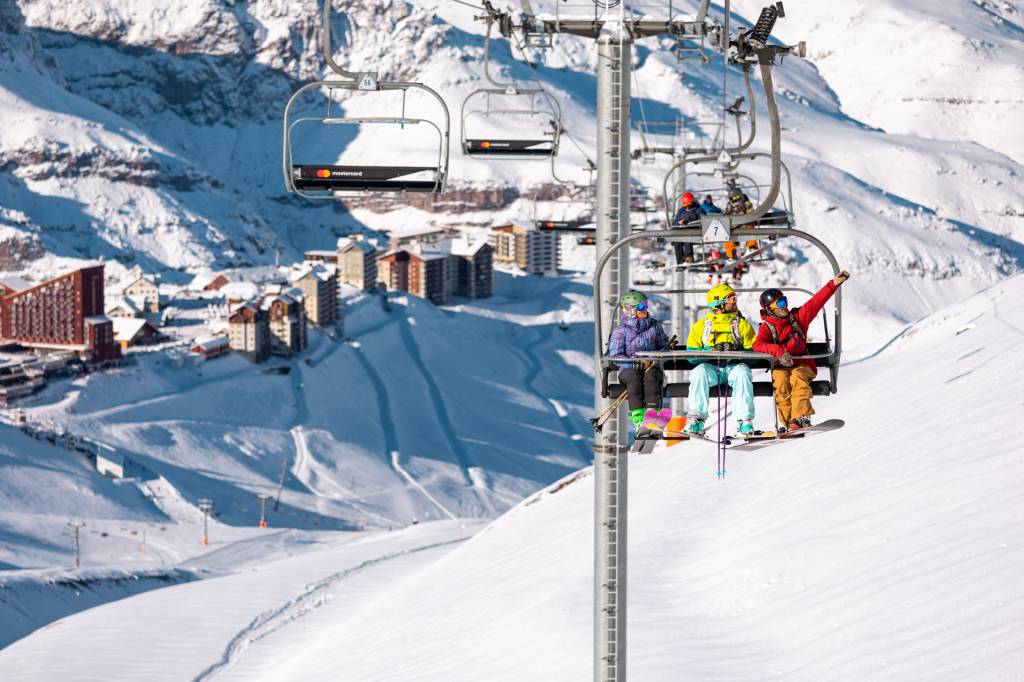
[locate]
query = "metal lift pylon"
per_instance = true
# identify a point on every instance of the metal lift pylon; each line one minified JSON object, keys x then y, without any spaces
{"x":615,"y":32}
{"x":614,"y":47}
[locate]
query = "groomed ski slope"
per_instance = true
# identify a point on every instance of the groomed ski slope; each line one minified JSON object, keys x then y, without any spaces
{"x":889,"y":550}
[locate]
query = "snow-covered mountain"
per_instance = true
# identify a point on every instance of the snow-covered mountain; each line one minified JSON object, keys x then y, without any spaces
{"x":887,"y":550}
{"x":149,"y":133}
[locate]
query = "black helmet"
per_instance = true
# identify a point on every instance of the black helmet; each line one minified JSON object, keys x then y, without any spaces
{"x":769,"y":296}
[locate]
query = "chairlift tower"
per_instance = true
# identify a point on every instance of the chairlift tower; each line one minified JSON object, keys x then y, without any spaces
{"x":614,"y":29}
{"x":76,"y":525}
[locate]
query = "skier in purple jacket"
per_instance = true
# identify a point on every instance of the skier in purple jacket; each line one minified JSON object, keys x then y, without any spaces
{"x":638,"y":331}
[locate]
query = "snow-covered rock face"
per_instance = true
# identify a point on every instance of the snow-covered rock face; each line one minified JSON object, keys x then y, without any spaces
{"x":149,"y":132}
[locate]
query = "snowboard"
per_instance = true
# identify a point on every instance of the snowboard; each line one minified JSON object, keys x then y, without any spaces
{"x":764,"y":440}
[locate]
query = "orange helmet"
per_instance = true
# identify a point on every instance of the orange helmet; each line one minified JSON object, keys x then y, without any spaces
{"x":687,"y":199}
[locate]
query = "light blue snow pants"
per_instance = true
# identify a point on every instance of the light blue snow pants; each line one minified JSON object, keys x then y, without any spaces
{"x":705,"y":375}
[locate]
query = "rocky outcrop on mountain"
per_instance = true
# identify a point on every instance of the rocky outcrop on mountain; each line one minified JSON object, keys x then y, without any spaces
{"x":48,"y":160}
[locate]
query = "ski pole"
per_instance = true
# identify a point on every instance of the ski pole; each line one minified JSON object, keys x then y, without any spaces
{"x":725,"y":421}
{"x":598,"y":422}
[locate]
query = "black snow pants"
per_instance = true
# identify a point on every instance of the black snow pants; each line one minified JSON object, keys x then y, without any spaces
{"x":643,"y":389}
{"x":683,"y":251}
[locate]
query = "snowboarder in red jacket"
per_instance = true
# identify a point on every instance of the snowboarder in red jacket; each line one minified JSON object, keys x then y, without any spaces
{"x":783,"y":333}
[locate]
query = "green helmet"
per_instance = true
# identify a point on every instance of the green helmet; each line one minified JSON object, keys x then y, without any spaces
{"x":633,"y":298}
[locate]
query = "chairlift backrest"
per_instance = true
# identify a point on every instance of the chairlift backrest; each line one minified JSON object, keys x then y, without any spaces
{"x":540,"y":143}
{"x":329,"y":180}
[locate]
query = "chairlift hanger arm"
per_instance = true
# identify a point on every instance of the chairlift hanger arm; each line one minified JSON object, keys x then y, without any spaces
{"x":325,"y":42}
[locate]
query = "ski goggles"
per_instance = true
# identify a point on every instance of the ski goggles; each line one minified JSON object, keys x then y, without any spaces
{"x":641,"y":306}
{"x":722,"y":301}
{"x":780,"y":303}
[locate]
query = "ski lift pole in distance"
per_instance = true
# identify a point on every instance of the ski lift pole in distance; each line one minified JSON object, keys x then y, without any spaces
{"x":263,"y":497}
{"x":501,"y":146}
{"x":327,"y":179}
{"x":206,"y":506}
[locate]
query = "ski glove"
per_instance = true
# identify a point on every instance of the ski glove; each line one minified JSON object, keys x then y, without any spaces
{"x":786,"y":360}
{"x":841,"y":277}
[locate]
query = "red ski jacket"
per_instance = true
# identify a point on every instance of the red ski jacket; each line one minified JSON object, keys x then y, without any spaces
{"x":792,"y":338}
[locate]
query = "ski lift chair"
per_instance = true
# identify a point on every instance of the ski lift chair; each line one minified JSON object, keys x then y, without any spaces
{"x":499,"y":146}
{"x":825,"y":353}
{"x":578,"y":204}
{"x":781,"y":217}
{"x":331,"y":181}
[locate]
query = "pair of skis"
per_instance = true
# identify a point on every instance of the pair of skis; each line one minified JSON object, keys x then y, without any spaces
{"x":653,"y":429}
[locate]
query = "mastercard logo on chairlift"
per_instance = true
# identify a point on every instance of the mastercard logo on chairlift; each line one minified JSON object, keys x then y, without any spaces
{"x":549,"y":224}
{"x":485,"y":145}
{"x":323,"y":173}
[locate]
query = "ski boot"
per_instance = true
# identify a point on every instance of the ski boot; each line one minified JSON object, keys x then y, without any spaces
{"x":694,"y":425}
{"x":651,"y":423}
{"x":798,"y":423}
{"x":637,"y":417}
{"x":746,"y":427}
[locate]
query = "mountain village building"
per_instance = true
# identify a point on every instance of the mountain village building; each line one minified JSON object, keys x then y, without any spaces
{"x":249,"y":331}
{"x":357,"y":262}
{"x":319,"y":286}
{"x":144,"y":288}
{"x":62,"y":313}
{"x":287,"y":322}
{"x":526,"y":248}
{"x":472,"y":268}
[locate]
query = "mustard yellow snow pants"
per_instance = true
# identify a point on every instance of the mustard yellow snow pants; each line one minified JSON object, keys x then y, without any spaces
{"x":793,"y":392}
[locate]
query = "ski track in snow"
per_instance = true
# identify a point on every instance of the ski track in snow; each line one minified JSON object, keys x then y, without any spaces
{"x":462,"y":457}
{"x":388,"y":426}
{"x":397,"y":466}
{"x":314,"y":596}
{"x":528,"y":353}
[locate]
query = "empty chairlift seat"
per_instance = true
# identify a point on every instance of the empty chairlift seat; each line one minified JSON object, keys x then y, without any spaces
{"x":310,"y":171}
{"x":510,"y":123}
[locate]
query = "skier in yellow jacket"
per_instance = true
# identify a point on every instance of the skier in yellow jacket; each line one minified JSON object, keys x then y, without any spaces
{"x":724,"y":329}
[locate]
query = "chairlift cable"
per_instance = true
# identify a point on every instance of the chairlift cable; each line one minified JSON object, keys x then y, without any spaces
{"x":725,"y":70}
{"x":563,"y":131}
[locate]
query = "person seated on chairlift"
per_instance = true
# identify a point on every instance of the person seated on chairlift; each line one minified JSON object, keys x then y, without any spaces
{"x":708,"y":205}
{"x":689,"y":211}
{"x":638,"y":331}
{"x":723,"y":329}
{"x":783,"y":333}
{"x":739,"y":203}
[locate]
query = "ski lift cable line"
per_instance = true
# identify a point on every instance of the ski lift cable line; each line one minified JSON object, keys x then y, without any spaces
{"x":536,"y":78}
